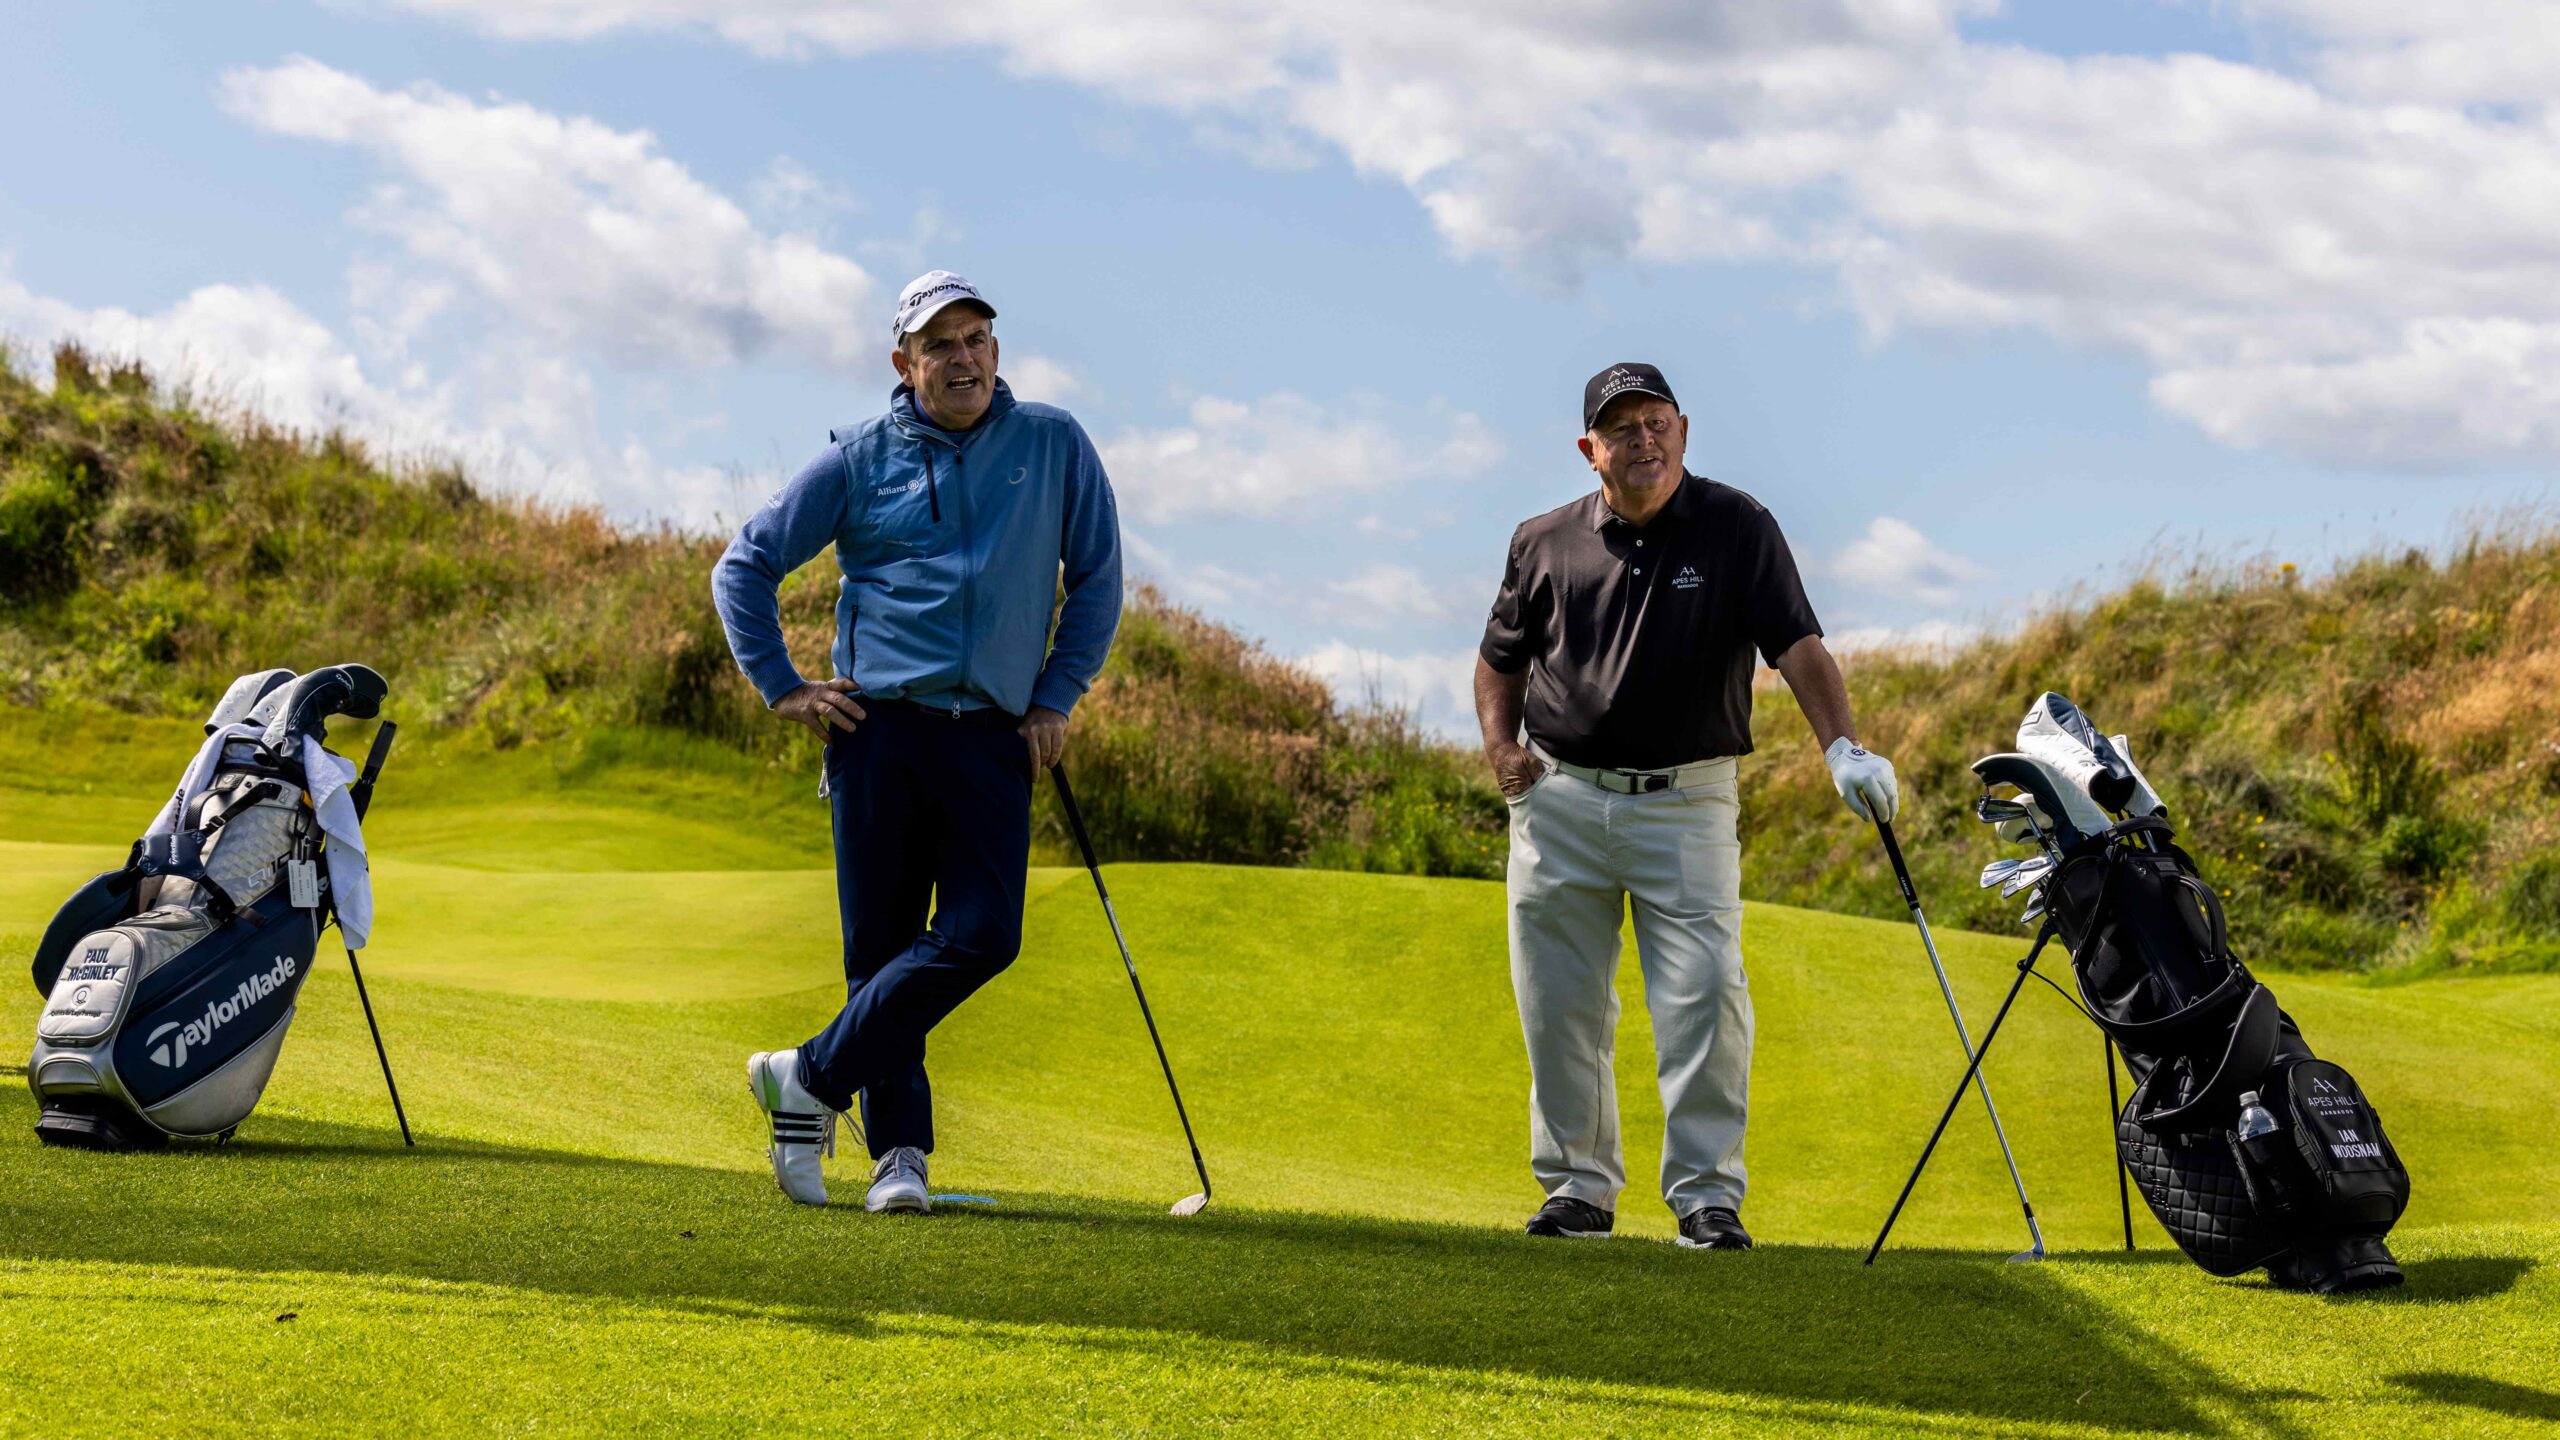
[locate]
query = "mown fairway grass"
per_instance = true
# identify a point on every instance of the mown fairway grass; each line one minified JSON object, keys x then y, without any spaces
{"x":586,"y":1239}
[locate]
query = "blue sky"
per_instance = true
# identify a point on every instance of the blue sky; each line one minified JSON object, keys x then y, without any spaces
{"x":1984,"y":302}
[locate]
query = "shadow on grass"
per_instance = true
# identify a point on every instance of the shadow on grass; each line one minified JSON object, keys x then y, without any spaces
{"x":1802,"y":1328}
{"x":2480,"y":1393}
{"x":2452,"y":1279}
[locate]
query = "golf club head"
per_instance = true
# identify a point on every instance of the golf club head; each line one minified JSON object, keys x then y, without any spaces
{"x":2028,"y":1257}
{"x":1998,"y":870}
{"x":2035,"y":909}
{"x":2025,"y":875}
{"x":1190,"y":1205}
{"x":1991,"y":810}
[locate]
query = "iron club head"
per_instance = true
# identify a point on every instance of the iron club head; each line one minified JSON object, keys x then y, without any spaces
{"x":1997,"y":871}
{"x":2029,"y":1257}
{"x":1190,"y":1205}
{"x":2029,"y":872}
{"x":1991,"y":810}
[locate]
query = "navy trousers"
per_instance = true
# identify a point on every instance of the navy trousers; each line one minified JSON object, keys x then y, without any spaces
{"x":930,"y":811}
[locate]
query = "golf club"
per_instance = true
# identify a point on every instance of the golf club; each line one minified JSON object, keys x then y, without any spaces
{"x":2031,"y":872}
{"x":1189,"y":1204}
{"x":1911,"y":896}
{"x":1999,"y":870}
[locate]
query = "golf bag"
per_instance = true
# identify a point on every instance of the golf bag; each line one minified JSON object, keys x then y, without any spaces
{"x":170,"y":983}
{"x":2310,"y":1198}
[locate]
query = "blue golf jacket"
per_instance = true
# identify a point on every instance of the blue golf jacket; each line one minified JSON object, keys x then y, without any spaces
{"x":951,"y":546}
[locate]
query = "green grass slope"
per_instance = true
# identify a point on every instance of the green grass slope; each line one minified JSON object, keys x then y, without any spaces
{"x":586,"y":1238}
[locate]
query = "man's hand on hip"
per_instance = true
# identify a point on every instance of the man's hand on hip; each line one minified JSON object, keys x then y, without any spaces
{"x":1515,"y":768}
{"x":1045,"y":731}
{"x":822,"y":705}
{"x":1865,"y":781}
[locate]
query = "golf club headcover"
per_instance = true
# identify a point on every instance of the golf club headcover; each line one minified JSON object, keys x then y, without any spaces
{"x":303,"y":707}
{"x":242,"y":698}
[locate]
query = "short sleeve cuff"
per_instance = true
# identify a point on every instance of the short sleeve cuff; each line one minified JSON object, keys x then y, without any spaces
{"x":1501,"y":657}
{"x":1769,"y":653}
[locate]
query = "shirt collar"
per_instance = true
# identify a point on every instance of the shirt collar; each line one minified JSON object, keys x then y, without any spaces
{"x":1678,"y":507}
{"x":902,"y":404}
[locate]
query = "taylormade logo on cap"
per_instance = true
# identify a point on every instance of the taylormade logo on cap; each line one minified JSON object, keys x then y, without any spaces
{"x":925,"y":296}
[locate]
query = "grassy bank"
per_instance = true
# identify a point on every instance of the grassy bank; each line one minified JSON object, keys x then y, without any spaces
{"x":2366,"y":764}
{"x":2366,"y":761}
{"x":150,"y":551}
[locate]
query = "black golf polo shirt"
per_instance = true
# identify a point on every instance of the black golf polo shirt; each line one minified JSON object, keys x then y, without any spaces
{"x":1638,"y":641}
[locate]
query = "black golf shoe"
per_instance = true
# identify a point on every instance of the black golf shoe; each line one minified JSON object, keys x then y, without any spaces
{"x":1713,"y":1227}
{"x":1573,"y":1219}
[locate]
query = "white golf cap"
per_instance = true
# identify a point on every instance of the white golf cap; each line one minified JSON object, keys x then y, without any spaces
{"x":925,"y":296}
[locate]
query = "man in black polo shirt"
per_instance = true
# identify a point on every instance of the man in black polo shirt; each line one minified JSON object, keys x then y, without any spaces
{"x":1623,"y":639}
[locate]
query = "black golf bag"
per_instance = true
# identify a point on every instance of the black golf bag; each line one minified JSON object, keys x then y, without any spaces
{"x":2310,"y":1199}
{"x":170,"y":982}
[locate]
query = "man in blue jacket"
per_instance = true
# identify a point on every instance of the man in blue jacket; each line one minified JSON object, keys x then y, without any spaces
{"x":952,"y":516}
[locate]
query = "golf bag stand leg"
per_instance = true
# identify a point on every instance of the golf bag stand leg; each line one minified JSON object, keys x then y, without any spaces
{"x":379,"y":1053}
{"x":362,"y":794}
{"x":2115,"y":1107}
{"x":1929,"y":943}
{"x":2025,"y":967}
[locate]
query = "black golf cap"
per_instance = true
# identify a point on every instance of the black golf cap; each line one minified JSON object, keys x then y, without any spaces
{"x":1626,"y":378}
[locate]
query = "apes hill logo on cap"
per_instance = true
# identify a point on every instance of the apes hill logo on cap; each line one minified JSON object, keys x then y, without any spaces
{"x":170,"y":1042}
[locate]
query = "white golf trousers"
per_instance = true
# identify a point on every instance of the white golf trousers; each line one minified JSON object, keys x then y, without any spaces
{"x":1579,"y":855}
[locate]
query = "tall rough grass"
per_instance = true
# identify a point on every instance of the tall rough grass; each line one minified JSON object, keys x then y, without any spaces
{"x":2367,"y":765}
{"x":151,"y":551}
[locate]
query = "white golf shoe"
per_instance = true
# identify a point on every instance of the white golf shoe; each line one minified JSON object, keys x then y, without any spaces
{"x":801,"y":1129}
{"x":897,"y":1183}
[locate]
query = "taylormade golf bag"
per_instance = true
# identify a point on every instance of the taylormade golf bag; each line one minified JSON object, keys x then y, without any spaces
{"x":2310,"y":1197}
{"x":170,"y":983}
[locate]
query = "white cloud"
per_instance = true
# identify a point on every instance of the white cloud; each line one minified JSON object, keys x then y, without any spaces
{"x":1385,"y":596}
{"x":582,"y":232}
{"x":2331,"y":250}
{"x":1925,"y":637}
{"x":1037,"y":377}
{"x":1436,"y":687}
{"x":1893,"y":556}
{"x":1286,"y":456}
{"x":1208,"y":585}
{"x":516,"y":422}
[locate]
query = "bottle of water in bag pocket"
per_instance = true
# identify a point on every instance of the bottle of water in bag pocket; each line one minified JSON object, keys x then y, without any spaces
{"x":2254,"y":1119}
{"x":2261,"y":1153}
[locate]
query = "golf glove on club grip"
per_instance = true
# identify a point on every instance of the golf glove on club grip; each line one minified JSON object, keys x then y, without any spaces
{"x":1865,"y":781}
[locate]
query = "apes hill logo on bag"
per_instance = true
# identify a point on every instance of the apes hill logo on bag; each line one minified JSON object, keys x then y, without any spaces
{"x":199,"y":1031}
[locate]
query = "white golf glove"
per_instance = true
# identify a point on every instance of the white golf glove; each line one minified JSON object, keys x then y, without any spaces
{"x":1865,"y":781}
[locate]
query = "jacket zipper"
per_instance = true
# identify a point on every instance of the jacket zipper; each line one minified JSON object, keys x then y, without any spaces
{"x":968,"y":590}
{"x":932,"y":492}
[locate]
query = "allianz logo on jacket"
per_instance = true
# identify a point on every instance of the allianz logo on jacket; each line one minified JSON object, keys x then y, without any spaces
{"x":893,"y":488}
{"x":217,"y":1014}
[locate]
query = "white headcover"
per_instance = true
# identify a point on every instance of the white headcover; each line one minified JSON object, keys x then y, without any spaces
{"x":2062,"y":752}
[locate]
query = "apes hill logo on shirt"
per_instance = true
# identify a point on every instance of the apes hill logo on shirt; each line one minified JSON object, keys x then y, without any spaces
{"x":170,"y":1042}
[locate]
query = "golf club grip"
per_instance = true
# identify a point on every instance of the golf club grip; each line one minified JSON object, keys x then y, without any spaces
{"x":362,"y":791}
{"x":1075,"y":820}
{"x":1901,"y":872}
